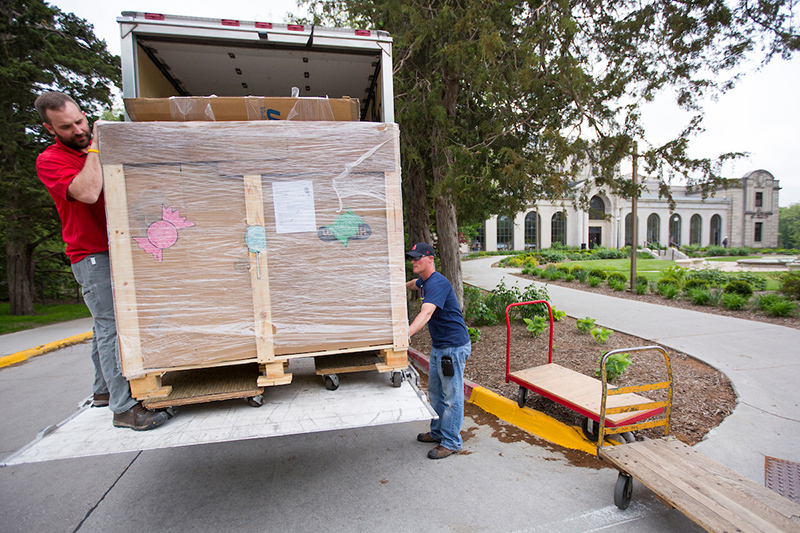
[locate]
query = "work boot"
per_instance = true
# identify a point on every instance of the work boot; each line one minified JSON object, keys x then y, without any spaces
{"x":440,"y":452}
{"x":139,"y":419}
{"x":100,"y":400}
{"x":427,"y":437}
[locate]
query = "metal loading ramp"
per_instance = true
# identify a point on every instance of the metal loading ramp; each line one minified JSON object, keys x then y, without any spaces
{"x":305,"y":406}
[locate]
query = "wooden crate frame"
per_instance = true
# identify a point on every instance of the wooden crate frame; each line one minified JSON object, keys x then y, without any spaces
{"x":239,"y":150}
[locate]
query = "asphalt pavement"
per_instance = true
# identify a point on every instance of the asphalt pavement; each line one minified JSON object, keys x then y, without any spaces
{"x":378,"y":478}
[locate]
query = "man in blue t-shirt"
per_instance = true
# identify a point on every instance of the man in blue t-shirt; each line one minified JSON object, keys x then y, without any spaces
{"x":450,"y":351}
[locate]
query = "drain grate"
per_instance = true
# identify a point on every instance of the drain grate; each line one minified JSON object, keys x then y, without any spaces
{"x":783,"y":477}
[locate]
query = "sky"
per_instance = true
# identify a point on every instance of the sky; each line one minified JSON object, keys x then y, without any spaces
{"x":761,"y":115}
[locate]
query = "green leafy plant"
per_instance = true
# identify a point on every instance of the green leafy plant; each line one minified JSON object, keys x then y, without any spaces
{"x":695,"y":283}
{"x":594,"y":281}
{"x":790,"y":284}
{"x":582,"y":275}
{"x":598,"y":273}
{"x":585,"y":325}
{"x":739,"y":286}
{"x":474,"y":334}
{"x":601,"y":334}
{"x":616,"y":284}
{"x":763,"y":301}
{"x":782,"y":307}
{"x":615,"y":365}
{"x":668,"y":290}
{"x":641,"y":288}
{"x":536,"y":325}
{"x":569,"y":278}
{"x":558,"y":315}
{"x":733,"y":301}
{"x":619,"y":276}
{"x":699,"y":296}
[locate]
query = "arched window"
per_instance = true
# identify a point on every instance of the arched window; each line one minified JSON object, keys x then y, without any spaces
{"x":675,"y":230}
{"x":628,"y":229}
{"x":505,"y":233}
{"x":653,"y":228}
{"x":531,"y":230}
{"x":597,"y":208}
{"x":558,"y":228}
{"x":715,"y":237}
{"x":695,"y":230}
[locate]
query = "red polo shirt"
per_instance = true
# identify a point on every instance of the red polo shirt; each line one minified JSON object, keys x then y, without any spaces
{"x":83,"y":225}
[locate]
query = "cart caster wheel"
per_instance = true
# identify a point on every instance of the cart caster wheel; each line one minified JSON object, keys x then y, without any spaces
{"x":172,"y":412}
{"x":629,"y":436}
{"x":397,"y":379}
{"x":590,"y":429}
{"x":255,"y":401}
{"x":522,"y":395}
{"x":331,"y":382}
{"x":623,"y":491}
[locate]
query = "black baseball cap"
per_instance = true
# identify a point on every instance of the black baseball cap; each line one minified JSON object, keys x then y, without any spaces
{"x":420,"y":249}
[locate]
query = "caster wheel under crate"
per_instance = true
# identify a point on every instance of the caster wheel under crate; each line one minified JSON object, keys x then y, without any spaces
{"x":331,"y":381}
{"x":623,"y":491}
{"x":397,"y":379}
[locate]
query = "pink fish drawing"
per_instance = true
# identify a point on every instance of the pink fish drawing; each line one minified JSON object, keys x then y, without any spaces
{"x":163,"y":233}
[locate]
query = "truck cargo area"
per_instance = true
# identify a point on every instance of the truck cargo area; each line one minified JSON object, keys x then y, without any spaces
{"x":306,"y":406}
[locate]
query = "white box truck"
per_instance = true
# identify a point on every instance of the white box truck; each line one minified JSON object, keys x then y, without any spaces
{"x":167,"y":55}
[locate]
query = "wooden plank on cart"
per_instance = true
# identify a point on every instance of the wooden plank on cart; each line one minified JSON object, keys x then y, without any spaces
{"x":709,"y":493}
{"x":581,"y":391}
{"x":344,"y":363}
{"x":209,"y":385}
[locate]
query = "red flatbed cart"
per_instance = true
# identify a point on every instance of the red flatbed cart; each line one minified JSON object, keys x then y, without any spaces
{"x":578,"y":392}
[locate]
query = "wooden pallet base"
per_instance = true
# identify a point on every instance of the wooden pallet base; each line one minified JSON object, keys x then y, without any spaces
{"x":382,"y":361}
{"x":274,"y":374}
{"x":207,"y":385}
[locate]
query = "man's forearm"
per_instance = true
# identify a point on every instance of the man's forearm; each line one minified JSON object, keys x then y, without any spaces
{"x":88,"y":183}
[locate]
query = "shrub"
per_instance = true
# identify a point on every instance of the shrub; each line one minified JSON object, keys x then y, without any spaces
{"x":514,"y":262}
{"x":675,"y":271}
{"x":582,"y":275}
{"x":575,"y":269}
{"x":790,"y":284}
{"x":640,"y":280}
{"x":714,"y":277}
{"x":733,"y":301}
{"x":641,"y":288}
{"x":558,"y":315}
{"x":742,"y":251}
{"x":739,"y":286}
{"x":617,"y":276}
{"x":757,"y":281}
{"x":555,"y":275}
{"x":695,"y":283}
{"x":553,"y":256}
{"x":598,"y":273}
{"x":569,"y":277}
{"x":669,"y":280}
{"x":474,"y":334}
{"x":609,"y":253}
{"x":564,"y":269}
{"x":715,"y":251}
{"x":594,"y":281}
{"x":532,"y":271}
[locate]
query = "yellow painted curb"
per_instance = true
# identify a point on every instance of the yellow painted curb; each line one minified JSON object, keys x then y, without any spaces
{"x":18,"y":357}
{"x":533,"y":422}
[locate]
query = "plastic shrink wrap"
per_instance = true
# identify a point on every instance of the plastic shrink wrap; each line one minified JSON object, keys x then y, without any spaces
{"x":238,"y":242}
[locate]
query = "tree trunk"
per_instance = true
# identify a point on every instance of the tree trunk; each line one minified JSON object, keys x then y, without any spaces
{"x":447,"y":231}
{"x":416,"y":204}
{"x":19,"y":265}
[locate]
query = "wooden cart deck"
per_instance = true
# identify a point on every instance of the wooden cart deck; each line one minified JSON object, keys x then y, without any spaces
{"x":580,"y":393}
{"x":712,"y":495}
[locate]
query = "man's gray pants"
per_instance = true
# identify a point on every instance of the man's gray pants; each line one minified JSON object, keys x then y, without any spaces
{"x":93,"y":273}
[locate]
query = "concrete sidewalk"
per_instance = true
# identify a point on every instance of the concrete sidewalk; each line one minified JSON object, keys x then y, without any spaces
{"x":20,"y":341}
{"x":761,"y":360}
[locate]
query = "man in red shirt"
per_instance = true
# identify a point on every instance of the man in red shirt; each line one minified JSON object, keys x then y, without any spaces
{"x":70,"y":169}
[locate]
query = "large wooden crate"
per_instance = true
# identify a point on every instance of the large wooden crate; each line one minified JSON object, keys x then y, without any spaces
{"x":241,"y":242}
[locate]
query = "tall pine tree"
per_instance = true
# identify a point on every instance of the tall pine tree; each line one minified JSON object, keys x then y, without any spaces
{"x":41,"y":49}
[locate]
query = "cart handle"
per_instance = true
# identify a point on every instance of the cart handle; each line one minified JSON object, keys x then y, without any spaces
{"x":668,"y":385}
{"x":508,"y":333}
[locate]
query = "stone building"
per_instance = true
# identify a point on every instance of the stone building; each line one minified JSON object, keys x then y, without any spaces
{"x":746,"y":214}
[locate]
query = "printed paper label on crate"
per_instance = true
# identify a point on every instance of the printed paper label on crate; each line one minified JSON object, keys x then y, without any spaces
{"x":294,"y":207}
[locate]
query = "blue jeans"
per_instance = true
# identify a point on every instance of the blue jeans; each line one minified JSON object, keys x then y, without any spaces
{"x":93,"y":273}
{"x":447,"y":395}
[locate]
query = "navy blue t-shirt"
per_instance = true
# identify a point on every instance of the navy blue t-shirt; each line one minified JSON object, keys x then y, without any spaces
{"x":446,"y":325}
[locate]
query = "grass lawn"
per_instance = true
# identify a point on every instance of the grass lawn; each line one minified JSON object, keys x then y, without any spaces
{"x":45,"y":314}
